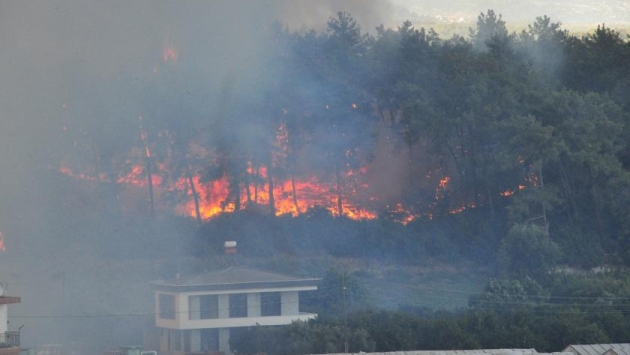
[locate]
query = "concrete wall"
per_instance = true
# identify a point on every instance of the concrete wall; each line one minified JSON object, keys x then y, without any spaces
{"x":289,"y":303}
{"x":4,"y":316}
{"x":289,"y":298}
{"x":253,"y":304}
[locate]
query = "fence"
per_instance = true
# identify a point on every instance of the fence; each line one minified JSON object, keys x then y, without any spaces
{"x":9,"y":339}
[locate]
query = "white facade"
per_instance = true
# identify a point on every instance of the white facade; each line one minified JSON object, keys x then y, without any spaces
{"x":12,"y":339}
{"x":183,"y":319}
{"x":197,"y":317}
{"x":4,"y":316}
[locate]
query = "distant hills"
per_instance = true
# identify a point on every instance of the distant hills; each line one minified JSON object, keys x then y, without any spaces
{"x":572,"y":13}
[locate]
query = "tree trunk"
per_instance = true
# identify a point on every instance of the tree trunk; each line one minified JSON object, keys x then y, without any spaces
{"x":295,"y":201}
{"x":256,"y":185}
{"x":272,"y":201}
{"x":247,"y":191}
{"x":569,"y":193}
{"x":489,"y":194}
{"x":339,"y":204}
{"x":150,"y":182}
{"x":459,"y":169}
{"x":410,"y":163}
{"x":193,"y":192}
{"x":237,"y":193}
{"x":544,"y":207}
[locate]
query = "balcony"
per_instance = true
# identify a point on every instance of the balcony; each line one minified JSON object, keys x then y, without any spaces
{"x":9,"y":340}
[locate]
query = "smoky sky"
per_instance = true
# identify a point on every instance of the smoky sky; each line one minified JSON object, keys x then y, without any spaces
{"x":75,"y":77}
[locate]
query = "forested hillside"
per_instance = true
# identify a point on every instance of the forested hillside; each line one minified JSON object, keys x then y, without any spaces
{"x":516,"y":145}
{"x":511,"y":145}
{"x":503,"y":155}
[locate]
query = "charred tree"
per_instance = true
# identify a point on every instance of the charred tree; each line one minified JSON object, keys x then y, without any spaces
{"x":150,"y":183}
{"x":193,"y":192}
{"x":339,"y":201}
{"x":272,"y":201}
{"x":294,"y":192}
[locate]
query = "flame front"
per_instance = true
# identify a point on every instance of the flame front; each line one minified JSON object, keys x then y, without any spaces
{"x":2,"y":247}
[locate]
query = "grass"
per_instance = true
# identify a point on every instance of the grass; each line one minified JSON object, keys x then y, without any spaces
{"x":433,"y":288}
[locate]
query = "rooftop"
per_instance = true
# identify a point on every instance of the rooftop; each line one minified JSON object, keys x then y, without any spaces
{"x":599,"y":349}
{"x":234,"y":277}
{"x":464,"y":352}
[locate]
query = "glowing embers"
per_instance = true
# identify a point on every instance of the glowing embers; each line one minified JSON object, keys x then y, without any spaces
{"x":170,"y":53}
{"x":215,"y":198}
{"x":2,"y":247}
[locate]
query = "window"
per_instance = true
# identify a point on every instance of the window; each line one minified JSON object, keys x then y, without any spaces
{"x":270,"y":304}
{"x":209,"y":340}
{"x":203,"y":307}
{"x":166,"y":304}
{"x":238,"y":305}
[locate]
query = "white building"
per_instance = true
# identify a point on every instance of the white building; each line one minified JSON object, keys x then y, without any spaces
{"x":9,"y":340}
{"x":198,"y":314}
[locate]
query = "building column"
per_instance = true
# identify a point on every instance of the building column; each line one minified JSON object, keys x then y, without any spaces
{"x":224,"y":306}
{"x":224,"y":340}
{"x":289,"y":303}
{"x":253,"y":305}
{"x":4,"y":316}
{"x":195,"y":340}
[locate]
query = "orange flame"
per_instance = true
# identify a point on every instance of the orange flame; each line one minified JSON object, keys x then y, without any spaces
{"x":170,"y":53}
{"x":292,"y":195}
{"x":2,"y":247}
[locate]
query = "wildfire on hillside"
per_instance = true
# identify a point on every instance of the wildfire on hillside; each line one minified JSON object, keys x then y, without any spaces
{"x":170,"y":53}
{"x":2,"y":247}
{"x":345,"y":191}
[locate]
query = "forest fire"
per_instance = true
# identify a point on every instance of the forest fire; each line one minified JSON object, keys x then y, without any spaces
{"x":214,"y":199}
{"x":170,"y":54}
{"x":2,"y":247}
{"x":344,"y":191}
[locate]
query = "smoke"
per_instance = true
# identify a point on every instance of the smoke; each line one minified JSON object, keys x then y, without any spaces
{"x":76,"y":76}
{"x":305,"y":14}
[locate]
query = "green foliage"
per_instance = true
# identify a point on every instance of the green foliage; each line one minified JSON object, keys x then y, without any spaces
{"x":489,"y":27}
{"x":339,"y":292}
{"x":510,"y":294}
{"x":528,"y":251}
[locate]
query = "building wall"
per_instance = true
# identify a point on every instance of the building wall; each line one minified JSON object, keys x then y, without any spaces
{"x":4,"y":314}
{"x":224,"y":340}
{"x":289,"y":303}
{"x":179,"y":306}
{"x":289,"y":309}
{"x":289,"y":312}
{"x":253,"y":304}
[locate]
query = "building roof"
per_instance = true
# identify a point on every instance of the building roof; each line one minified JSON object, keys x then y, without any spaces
{"x":464,"y":352}
{"x":9,"y":299}
{"x":599,"y":349}
{"x":232,"y":278}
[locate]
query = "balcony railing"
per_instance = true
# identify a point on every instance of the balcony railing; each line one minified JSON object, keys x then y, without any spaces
{"x":9,"y":339}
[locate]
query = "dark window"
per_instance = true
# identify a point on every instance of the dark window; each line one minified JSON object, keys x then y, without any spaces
{"x":187,"y":341}
{"x":238,"y":305}
{"x":209,"y":340}
{"x":203,"y":307}
{"x":166,"y":304}
{"x":209,"y":306}
{"x":270,"y":304}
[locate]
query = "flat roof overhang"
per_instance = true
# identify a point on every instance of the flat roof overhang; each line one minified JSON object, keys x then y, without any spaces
{"x":161,"y":286}
{"x":10,"y":300}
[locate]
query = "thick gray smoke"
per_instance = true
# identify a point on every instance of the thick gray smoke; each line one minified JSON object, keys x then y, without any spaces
{"x":76,"y":75}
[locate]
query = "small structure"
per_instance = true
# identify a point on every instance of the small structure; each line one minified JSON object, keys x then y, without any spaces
{"x":599,"y":349}
{"x":9,"y":341}
{"x":462,"y":352}
{"x":199,"y":314}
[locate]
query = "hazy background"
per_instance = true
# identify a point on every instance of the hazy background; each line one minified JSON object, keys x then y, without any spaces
{"x":74,"y":73}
